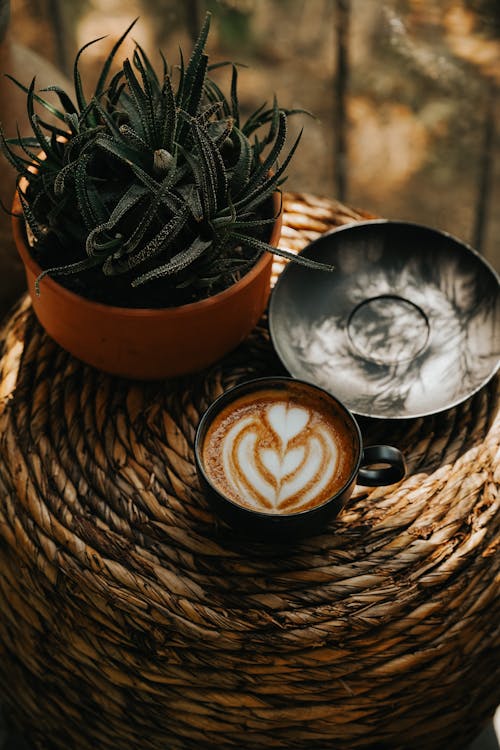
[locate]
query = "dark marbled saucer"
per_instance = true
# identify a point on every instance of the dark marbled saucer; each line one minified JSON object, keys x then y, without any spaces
{"x":407,"y":325}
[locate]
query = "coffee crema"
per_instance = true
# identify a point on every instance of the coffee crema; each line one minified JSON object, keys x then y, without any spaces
{"x":279,"y":451}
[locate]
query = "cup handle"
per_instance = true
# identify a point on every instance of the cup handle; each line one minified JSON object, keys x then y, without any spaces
{"x":393,"y":471}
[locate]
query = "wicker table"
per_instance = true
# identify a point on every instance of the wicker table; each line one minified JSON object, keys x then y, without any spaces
{"x":130,"y":618}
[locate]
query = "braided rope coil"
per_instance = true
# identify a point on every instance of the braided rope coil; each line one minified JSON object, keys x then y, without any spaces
{"x":130,"y":618}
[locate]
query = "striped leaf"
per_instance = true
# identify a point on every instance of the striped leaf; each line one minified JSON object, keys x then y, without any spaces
{"x":176,"y":264}
{"x":157,"y":245}
{"x":256,"y":244}
{"x":101,"y":83}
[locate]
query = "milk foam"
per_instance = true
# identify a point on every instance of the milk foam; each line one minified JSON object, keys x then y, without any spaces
{"x":279,"y":459}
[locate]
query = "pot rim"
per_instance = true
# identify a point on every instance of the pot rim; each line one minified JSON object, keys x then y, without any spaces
{"x":200,"y":305}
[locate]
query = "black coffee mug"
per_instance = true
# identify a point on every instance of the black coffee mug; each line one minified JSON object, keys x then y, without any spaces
{"x":238,"y":407}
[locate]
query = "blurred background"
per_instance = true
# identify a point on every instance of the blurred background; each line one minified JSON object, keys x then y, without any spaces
{"x":404,"y":93}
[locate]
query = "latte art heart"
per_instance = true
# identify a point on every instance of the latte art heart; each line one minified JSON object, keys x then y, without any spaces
{"x":275,"y":462}
{"x":276,"y":452}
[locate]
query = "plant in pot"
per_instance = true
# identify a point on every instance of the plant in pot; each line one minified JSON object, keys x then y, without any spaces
{"x":147,"y":215}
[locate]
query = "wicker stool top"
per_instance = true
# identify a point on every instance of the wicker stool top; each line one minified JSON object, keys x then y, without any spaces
{"x":131,"y":618}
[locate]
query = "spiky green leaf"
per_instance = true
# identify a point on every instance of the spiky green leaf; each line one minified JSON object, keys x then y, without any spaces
{"x":176,"y":264}
{"x":158,"y":244}
{"x":71,"y":268}
{"x":101,"y":83}
{"x":253,"y":242}
{"x":48,"y":106}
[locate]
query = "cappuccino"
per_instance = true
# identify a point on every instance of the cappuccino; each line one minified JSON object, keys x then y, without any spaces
{"x":280,"y":450}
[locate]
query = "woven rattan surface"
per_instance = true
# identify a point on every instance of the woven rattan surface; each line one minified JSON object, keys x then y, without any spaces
{"x":131,"y":618}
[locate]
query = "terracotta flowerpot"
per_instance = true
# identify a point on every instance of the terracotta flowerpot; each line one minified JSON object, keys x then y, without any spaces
{"x":148,"y":344}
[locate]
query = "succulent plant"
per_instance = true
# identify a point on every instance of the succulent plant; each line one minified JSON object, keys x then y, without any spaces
{"x":152,"y":183}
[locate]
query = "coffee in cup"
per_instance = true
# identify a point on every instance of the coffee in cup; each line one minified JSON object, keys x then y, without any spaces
{"x":279,"y":451}
{"x":279,"y":454}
